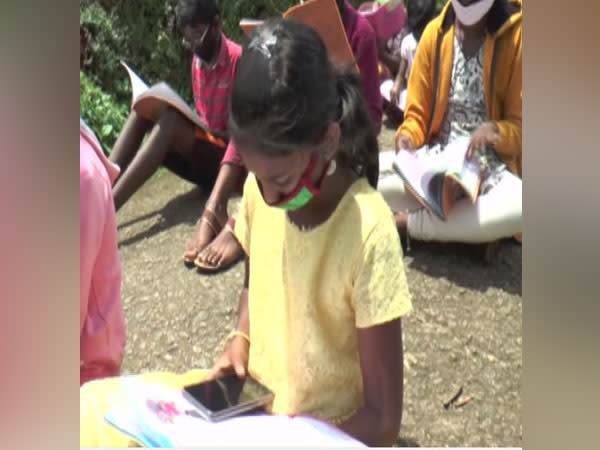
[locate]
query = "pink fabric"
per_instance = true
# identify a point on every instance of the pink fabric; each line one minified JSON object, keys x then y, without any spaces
{"x":212,"y":88}
{"x":231,"y":155}
{"x":385,"y":22}
{"x":101,"y":321}
{"x":364,"y":46}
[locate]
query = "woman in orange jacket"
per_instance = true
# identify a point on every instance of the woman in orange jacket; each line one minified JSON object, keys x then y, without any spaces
{"x":465,"y":83}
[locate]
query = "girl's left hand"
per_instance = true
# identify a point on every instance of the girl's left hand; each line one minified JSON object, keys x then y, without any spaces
{"x":485,"y":134}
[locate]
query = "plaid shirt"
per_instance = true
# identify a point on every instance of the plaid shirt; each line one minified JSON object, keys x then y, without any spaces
{"x":212,"y":87}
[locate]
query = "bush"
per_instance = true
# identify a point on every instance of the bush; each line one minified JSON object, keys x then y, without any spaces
{"x":143,"y":33}
{"x":101,"y":111}
{"x":140,"y":32}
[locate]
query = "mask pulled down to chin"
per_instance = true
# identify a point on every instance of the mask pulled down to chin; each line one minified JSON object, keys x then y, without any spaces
{"x":206,"y":49}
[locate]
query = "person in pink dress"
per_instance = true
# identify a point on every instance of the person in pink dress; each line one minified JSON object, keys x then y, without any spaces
{"x":101,"y":320}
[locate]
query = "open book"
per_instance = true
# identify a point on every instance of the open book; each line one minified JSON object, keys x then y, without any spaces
{"x":386,"y":89}
{"x":324,"y":17}
{"x":157,"y":416}
{"x":434,"y":180}
{"x":151,"y":101}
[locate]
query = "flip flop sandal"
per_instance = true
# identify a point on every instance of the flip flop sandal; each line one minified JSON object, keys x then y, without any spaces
{"x":213,"y":223}
{"x":208,"y":268}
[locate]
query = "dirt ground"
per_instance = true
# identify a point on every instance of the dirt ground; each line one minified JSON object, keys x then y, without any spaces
{"x":465,"y":330}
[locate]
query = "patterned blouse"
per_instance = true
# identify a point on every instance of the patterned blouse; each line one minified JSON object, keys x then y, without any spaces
{"x":466,"y":111}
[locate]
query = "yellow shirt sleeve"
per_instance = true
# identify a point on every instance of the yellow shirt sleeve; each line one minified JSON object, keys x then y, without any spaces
{"x":380,"y":292}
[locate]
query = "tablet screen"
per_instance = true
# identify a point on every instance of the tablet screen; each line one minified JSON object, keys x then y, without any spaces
{"x":227,"y":392}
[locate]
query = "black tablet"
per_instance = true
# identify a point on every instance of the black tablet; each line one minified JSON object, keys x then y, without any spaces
{"x":227,"y":396}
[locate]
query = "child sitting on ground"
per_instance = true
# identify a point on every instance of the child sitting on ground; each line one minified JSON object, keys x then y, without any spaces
{"x":420,"y":13}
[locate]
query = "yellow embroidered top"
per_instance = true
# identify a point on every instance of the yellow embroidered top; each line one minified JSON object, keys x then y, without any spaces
{"x":309,"y":291}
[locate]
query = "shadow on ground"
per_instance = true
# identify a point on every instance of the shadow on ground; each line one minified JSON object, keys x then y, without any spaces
{"x":406,"y":442}
{"x":463,"y":265}
{"x":181,"y":209}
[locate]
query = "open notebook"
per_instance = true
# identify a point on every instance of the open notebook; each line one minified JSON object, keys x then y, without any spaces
{"x":157,"y":416}
{"x":433,"y":180}
{"x":386,"y":88}
{"x":151,"y":101}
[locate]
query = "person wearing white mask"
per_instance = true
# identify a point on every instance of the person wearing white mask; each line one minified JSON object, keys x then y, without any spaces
{"x":465,"y":83}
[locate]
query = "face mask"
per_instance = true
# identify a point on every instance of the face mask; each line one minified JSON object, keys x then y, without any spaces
{"x":203,"y":49}
{"x":470,"y":15}
{"x":304,"y":191}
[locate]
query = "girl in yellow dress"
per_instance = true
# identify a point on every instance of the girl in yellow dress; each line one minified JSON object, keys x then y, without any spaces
{"x":325,"y":290}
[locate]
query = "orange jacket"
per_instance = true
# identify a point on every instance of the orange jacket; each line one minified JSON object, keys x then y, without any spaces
{"x":429,"y":82}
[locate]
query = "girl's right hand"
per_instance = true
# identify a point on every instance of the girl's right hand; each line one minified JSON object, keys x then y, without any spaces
{"x":234,"y":359}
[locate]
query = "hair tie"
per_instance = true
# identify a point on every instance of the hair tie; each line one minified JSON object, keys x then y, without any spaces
{"x":263,"y":46}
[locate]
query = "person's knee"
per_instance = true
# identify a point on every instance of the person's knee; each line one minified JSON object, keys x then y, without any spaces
{"x":167,"y":121}
{"x":136,"y":123}
{"x":177,"y":130}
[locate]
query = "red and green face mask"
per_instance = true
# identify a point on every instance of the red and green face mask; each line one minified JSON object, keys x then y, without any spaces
{"x":304,"y":191}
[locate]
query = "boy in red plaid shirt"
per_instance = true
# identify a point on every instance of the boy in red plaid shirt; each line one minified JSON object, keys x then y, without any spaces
{"x":175,"y":142}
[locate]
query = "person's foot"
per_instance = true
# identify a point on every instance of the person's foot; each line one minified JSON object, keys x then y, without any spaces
{"x":207,"y":229}
{"x":221,"y":253}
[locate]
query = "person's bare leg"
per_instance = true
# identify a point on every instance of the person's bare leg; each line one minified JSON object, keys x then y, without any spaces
{"x":129,"y":141}
{"x":229,"y":180}
{"x":401,"y":219}
{"x":172,"y":132}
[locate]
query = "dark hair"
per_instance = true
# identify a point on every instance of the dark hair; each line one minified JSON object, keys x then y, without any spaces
{"x":286,"y":92}
{"x":341,"y":7}
{"x":419,"y":14}
{"x":499,"y":13}
{"x":190,"y":13}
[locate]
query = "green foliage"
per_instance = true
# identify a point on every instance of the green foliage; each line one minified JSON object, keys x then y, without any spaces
{"x":142,"y":33}
{"x":101,"y":112}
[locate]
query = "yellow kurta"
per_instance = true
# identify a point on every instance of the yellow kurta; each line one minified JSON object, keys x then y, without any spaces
{"x":309,"y":291}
